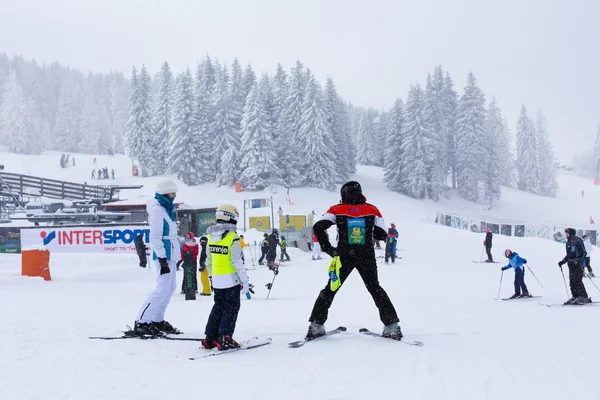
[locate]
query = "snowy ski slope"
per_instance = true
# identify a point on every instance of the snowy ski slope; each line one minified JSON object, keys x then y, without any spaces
{"x":475,"y":347}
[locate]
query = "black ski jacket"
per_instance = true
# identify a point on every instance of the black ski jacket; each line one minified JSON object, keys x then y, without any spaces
{"x":575,"y":252}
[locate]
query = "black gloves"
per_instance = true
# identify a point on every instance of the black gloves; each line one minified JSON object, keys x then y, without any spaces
{"x":164,"y":266}
{"x":502,"y":268}
{"x":202,"y":267}
{"x":332,"y":251}
{"x":524,"y":261}
{"x":561,"y":263}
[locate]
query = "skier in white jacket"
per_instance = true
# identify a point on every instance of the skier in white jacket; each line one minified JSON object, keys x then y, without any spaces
{"x":165,"y":254}
{"x":588,"y":249}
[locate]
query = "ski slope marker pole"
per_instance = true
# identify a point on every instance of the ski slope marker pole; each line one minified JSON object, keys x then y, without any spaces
{"x":535,"y":276}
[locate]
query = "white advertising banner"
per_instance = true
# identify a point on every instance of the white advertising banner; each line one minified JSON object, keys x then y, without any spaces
{"x":85,"y":239}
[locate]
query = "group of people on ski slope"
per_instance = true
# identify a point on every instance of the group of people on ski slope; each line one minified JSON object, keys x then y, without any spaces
{"x":358,"y":223}
{"x":577,"y":259}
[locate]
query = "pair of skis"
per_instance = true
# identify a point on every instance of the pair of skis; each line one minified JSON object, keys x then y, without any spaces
{"x":342,"y":329}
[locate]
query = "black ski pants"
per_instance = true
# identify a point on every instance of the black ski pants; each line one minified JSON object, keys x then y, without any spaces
{"x":367,"y":268}
{"x":223,"y":316}
{"x":587,"y":264}
{"x":262,"y":255}
{"x":576,"y":281}
{"x":520,"y":282}
{"x":488,"y":251}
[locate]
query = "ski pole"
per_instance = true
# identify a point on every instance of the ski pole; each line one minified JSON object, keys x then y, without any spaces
{"x":270,"y":285}
{"x":590,"y":278}
{"x":535,"y":276}
{"x":564,"y":280}
{"x":500,"y":287}
{"x":251,"y":256}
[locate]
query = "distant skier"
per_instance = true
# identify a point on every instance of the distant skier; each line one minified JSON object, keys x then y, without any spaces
{"x":93,"y":174}
{"x":73,"y":161}
{"x":264,"y":248}
{"x":588,"y":249}
{"x":488,"y":245}
{"x":112,"y":171}
{"x":516,"y":262}
{"x":358,"y":224}
{"x":165,"y":253}
{"x":316,"y":248}
{"x":229,"y":277}
{"x":272,"y":250}
{"x":389,"y":246}
{"x":395,"y":232}
{"x":575,"y":259}
{"x":95,"y":161}
{"x":283,"y":246}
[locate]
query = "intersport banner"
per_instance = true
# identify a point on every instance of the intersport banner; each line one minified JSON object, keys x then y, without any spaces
{"x":86,"y":239}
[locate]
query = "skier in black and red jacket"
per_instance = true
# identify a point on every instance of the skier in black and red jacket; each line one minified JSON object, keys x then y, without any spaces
{"x":358,"y":223}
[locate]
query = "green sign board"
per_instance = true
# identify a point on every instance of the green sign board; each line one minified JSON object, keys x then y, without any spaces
{"x":205,"y":219}
{"x":10,"y":240}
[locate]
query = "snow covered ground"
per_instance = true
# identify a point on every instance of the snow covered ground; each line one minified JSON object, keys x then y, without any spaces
{"x":475,"y":347}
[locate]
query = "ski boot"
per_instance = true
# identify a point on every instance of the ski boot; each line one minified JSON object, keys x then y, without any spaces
{"x":315,"y":330}
{"x":515,"y":296}
{"x":570,"y":301}
{"x":579,"y":301}
{"x":591,"y":274}
{"x":226,"y":342}
{"x":208,"y":343}
{"x":167,"y":328}
{"x":144,"y":329}
{"x":392,"y":331}
{"x":525,"y":295}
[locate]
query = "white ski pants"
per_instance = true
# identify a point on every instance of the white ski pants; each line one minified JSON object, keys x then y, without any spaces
{"x":316,"y":249}
{"x":153,"y":309}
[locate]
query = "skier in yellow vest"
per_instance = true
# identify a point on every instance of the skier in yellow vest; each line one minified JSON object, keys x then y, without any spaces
{"x":229,"y":278}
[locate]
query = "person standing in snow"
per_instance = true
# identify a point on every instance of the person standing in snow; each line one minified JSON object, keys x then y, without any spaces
{"x":165,"y":253}
{"x":112,"y":171}
{"x":93,"y":174}
{"x":358,"y":223}
{"x":226,"y":266}
{"x":264,"y":248}
{"x":316,"y":248}
{"x":488,"y":245}
{"x":517,"y":263}
{"x":389,"y":246}
{"x":283,"y":246}
{"x":190,"y":246}
{"x":394,"y":231}
{"x":272,"y":250}
{"x":575,"y":259}
{"x":588,"y":249}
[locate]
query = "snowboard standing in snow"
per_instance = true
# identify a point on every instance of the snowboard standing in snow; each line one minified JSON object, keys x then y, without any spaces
{"x":358,"y":223}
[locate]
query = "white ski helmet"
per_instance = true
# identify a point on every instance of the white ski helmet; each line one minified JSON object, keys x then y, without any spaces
{"x":227,"y":213}
{"x":166,"y":186}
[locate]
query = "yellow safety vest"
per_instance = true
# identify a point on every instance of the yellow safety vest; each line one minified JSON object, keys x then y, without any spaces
{"x":220,"y":254}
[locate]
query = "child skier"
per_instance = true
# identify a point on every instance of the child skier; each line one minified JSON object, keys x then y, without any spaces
{"x":390,"y":246}
{"x":229,"y":277}
{"x":283,"y":246}
{"x":203,"y":271}
{"x":516,"y":262}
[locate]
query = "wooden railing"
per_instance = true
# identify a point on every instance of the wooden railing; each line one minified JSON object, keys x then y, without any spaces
{"x":35,"y":186}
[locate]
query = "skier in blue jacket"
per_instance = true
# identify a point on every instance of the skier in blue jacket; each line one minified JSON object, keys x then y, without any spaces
{"x":517,"y":263}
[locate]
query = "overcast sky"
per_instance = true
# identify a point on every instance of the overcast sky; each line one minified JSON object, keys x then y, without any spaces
{"x":544,"y":53}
